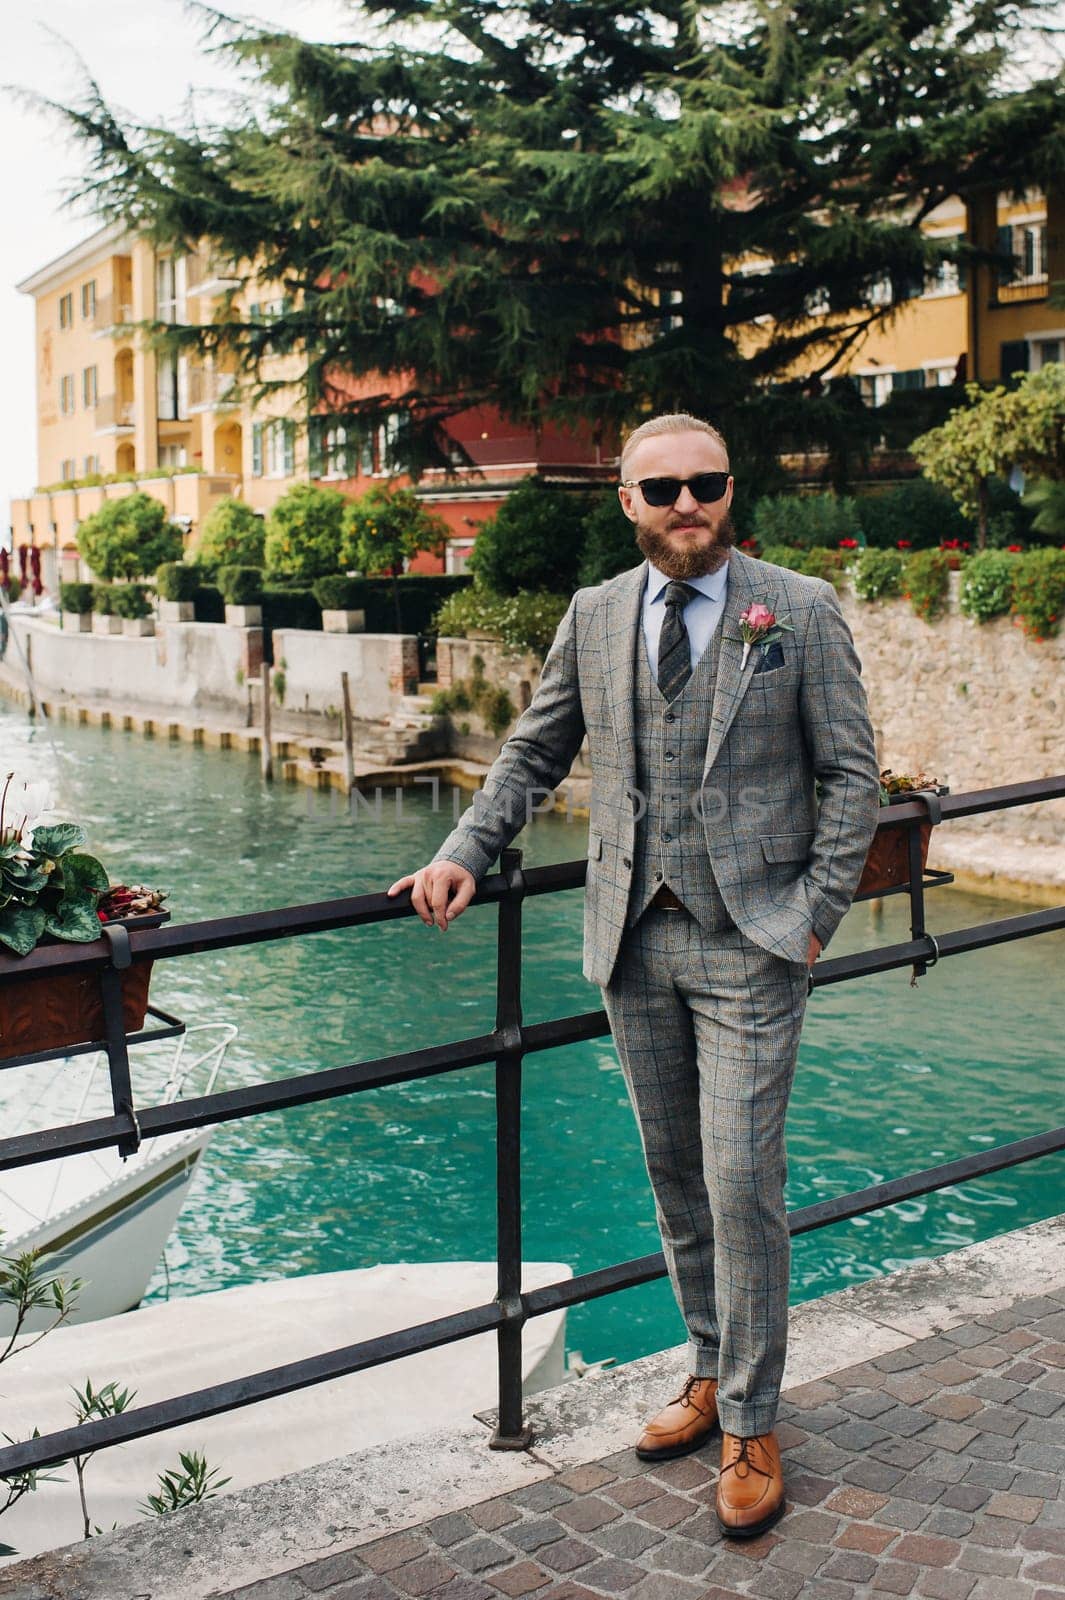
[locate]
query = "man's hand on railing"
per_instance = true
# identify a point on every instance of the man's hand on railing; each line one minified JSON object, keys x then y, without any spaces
{"x":439,"y":892}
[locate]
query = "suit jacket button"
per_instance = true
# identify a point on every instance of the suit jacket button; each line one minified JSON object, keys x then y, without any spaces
{"x":626,"y":863}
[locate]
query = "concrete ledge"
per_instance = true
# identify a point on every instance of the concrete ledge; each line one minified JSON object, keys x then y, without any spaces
{"x":341,"y":1505}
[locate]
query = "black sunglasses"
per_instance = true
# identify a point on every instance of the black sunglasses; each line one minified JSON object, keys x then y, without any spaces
{"x":705,"y":487}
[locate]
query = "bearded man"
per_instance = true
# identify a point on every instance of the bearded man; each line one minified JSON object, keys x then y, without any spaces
{"x":715,"y":691}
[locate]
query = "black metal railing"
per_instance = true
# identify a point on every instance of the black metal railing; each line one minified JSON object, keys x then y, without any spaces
{"x":510,"y":1041}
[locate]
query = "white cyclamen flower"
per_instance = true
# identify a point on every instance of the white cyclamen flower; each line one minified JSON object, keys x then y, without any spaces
{"x":22,"y":805}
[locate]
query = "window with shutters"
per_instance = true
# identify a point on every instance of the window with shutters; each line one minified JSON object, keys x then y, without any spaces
{"x":66,"y":394}
{"x":91,"y":466}
{"x":279,"y":448}
{"x":66,"y":310}
{"x":89,"y":387}
{"x":66,"y":469}
{"x":88,"y":300}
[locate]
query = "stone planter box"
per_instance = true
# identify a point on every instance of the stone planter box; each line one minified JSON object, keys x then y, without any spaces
{"x":344,"y":621}
{"x":244,"y":616}
{"x":138,"y":627}
{"x":102,"y":624}
{"x":177,"y":611}
{"x":77,"y":621}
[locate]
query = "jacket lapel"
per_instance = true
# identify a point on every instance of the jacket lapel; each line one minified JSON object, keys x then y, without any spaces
{"x":622,"y":635}
{"x":743,"y":587}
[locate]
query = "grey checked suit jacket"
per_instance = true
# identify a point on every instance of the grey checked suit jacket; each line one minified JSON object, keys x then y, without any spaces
{"x":785,"y":865}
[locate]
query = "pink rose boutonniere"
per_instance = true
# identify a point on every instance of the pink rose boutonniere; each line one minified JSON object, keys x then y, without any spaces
{"x":760,"y":625}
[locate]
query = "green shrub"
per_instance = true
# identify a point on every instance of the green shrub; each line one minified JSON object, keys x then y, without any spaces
{"x":781,"y":555}
{"x":291,"y":608}
{"x":130,"y":600}
{"x":877,"y":574}
{"x":1039,"y":592}
{"x":804,"y":520}
{"x":420,"y":597}
{"x":445,"y":701}
{"x":476,"y":694}
{"x":75,"y":597}
{"x":14,"y":587}
{"x":533,"y":542}
{"x":233,"y":535}
{"x":926,"y":583}
{"x":987,"y":585}
{"x":304,"y":533}
{"x":338,"y":593}
{"x":1044,"y":499}
{"x":241,"y":586}
{"x":383,"y":528}
{"x":210,"y":607}
{"x":129,"y":538}
{"x":177,"y":580}
{"x":102,"y":597}
{"x":918,"y":514}
{"x":522,"y":622}
{"x":609,"y":542}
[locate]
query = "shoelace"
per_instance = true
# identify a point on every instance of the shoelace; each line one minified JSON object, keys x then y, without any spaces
{"x":684,"y":1398}
{"x":744,"y":1455}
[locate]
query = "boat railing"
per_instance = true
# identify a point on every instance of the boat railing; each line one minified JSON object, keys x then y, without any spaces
{"x":507,"y":1045}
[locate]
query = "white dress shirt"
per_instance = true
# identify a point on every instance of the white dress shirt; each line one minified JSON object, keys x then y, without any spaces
{"x":701,"y":615}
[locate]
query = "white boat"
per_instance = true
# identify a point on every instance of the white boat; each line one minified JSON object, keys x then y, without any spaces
{"x":97,"y":1216}
{"x":188,"y":1344}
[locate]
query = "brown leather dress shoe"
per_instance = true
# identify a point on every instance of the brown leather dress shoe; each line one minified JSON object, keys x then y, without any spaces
{"x":750,"y":1489}
{"x":685,"y":1424}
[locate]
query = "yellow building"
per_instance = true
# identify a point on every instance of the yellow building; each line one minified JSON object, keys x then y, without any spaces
{"x":107,"y":405}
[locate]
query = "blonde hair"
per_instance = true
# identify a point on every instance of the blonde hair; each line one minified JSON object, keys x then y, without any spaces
{"x":670,"y":422}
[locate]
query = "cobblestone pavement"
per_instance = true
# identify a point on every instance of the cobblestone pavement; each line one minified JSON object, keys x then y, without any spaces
{"x":934,"y":1470}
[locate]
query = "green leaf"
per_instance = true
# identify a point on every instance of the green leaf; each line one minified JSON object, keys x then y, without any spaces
{"x":56,"y":840}
{"x":83,"y":872}
{"x":21,"y":927}
{"x":75,"y":920}
{"x":24,"y":875}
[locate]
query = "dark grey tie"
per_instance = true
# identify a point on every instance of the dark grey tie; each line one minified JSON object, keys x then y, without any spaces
{"x":674,"y":646}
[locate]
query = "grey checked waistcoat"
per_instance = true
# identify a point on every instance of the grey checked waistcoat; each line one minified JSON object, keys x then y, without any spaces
{"x":670,"y":752}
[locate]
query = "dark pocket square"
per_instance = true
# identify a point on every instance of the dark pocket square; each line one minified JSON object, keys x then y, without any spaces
{"x":770,"y":658}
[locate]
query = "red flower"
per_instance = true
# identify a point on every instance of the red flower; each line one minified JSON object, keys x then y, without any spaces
{"x":902,"y":544}
{"x":848,"y":544}
{"x":1020,"y":547}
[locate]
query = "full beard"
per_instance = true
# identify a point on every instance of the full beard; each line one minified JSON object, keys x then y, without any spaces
{"x":695,"y":562}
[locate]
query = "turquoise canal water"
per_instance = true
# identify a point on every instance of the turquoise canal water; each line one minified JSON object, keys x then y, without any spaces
{"x":890,"y":1079}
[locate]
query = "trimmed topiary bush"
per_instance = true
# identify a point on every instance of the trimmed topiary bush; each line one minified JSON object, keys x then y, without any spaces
{"x":130,"y":600}
{"x":129,"y":538}
{"x":339,"y":593}
{"x":522,"y":622}
{"x":233,"y":535}
{"x":103,"y":598}
{"x":987,"y":585}
{"x":178,"y":580}
{"x":75,"y":598}
{"x":241,"y":586}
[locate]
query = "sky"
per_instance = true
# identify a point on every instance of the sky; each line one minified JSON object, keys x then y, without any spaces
{"x":146,"y":55}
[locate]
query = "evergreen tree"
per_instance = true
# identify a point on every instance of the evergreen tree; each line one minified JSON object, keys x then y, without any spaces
{"x":567,"y":208}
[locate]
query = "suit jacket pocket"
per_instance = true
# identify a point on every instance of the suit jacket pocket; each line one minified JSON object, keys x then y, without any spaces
{"x":787,"y":846}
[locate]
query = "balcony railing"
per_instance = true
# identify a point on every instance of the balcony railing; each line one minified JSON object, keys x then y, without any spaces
{"x":511,"y":1040}
{"x":112,"y":311}
{"x":114,"y":414}
{"x":1033,"y":288}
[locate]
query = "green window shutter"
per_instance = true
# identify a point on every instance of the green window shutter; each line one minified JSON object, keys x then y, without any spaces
{"x":912,"y":378}
{"x":1013,"y":357}
{"x":290,"y":448}
{"x":255,"y":312}
{"x":315,"y":450}
{"x":257,"y":450}
{"x":1004,"y":246}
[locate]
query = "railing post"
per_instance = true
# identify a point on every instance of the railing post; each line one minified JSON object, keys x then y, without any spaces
{"x":511,"y":1432}
{"x":913,"y":840}
{"x":115,"y":1034}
